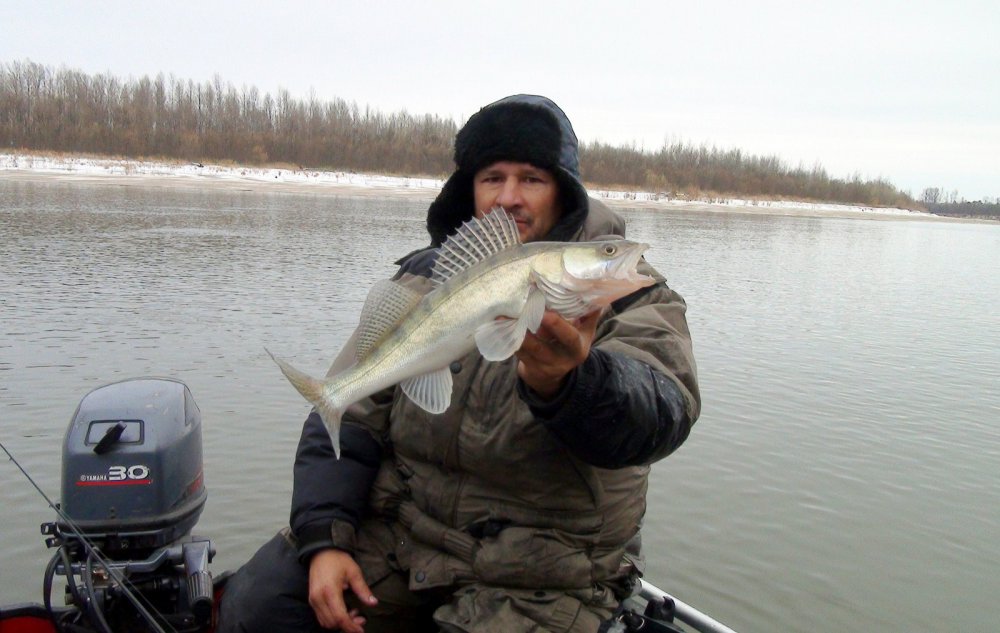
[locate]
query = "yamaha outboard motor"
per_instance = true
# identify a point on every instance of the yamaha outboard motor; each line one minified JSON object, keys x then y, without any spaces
{"x":132,"y":490}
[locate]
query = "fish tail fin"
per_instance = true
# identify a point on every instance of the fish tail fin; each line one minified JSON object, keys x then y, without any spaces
{"x":315,"y":391}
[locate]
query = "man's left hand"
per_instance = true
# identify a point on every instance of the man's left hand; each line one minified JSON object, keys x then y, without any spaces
{"x":548,"y":356}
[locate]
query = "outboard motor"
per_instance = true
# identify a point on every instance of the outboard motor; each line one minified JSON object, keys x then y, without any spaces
{"x":132,"y":490}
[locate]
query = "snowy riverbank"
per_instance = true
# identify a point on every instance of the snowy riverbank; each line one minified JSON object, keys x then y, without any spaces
{"x":125,"y":171}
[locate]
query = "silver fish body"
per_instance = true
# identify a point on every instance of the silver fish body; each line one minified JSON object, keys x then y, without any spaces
{"x":490,"y":291}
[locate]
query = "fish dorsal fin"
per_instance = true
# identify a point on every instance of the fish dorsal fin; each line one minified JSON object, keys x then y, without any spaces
{"x":431,"y":392}
{"x":476,"y":240}
{"x":387,"y":303}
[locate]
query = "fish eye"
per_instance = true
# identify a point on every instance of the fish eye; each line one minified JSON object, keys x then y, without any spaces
{"x":610,"y":249}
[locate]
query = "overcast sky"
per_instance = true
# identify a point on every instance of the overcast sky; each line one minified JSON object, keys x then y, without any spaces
{"x":904,"y":90}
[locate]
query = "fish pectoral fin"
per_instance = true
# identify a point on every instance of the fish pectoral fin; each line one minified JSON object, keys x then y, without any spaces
{"x":431,"y":392}
{"x":499,"y":339}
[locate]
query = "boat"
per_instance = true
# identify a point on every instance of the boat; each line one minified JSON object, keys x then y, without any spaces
{"x":133,"y":490}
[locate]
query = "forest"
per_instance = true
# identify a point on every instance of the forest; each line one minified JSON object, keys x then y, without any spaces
{"x":65,"y":110}
{"x":977,"y":209}
{"x":940,"y":202}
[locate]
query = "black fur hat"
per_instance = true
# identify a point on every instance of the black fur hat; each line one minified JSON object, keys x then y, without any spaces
{"x":518,"y":132}
{"x":520,"y":128}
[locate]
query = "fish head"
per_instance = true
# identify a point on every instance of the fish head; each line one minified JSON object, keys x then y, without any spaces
{"x":604,"y":271}
{"x":605,"y":259}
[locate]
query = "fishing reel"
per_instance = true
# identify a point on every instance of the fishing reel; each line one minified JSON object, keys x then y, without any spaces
{"x":132,"y":490}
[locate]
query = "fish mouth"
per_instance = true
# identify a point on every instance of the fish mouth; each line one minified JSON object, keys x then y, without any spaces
{"x":624,"y":267}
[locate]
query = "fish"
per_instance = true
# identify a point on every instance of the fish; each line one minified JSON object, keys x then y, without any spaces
{"x":488,"y":291}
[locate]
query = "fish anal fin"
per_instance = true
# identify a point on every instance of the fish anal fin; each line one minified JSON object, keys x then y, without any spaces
{"x":431,"y":391}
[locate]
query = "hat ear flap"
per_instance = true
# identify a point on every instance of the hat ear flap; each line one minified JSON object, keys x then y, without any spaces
{"x":453,"y":206}
{"x":574,"y":204}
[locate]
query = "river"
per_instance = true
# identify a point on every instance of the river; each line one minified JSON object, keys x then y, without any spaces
{"x":843,"y":475}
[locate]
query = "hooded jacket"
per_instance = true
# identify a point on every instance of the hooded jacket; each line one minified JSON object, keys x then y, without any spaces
{"x":504,"y":488}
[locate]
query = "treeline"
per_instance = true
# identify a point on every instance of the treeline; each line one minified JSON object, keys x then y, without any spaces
{"x":978,"y":209}
{"x":66,"y":110}
{"x":685,"y":169}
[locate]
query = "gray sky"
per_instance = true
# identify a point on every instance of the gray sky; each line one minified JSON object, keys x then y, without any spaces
{"x":904,"y":90}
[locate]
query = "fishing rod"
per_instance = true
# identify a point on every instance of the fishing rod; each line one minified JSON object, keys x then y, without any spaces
{"x":130,"y":591}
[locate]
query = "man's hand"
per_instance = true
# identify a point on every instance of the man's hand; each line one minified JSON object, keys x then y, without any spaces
{"x":330,"y":573}
{"x":550,"y":354}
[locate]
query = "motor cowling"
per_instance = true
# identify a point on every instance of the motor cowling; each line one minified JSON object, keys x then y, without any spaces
{"x":132,"y":472}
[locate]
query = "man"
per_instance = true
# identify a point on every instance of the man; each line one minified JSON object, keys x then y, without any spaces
{"x":513,"y":510}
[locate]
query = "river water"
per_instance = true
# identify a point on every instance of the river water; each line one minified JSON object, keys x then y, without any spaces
{"x":845,"y":473}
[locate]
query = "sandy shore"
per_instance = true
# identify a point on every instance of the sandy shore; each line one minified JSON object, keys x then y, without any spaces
{"x":126,"y":173}
{"x":229,"y":184}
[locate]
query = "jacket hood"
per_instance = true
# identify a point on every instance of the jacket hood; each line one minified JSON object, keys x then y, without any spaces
{"x":519,"y":128}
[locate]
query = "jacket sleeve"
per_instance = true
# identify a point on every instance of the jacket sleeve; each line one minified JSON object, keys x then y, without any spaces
{"x":329,"y":495}
{"x":634,"y":399}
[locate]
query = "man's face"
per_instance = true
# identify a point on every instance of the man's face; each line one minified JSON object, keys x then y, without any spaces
{"x":529,"y":193}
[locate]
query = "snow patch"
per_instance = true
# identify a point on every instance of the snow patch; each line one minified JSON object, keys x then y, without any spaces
{"x":97,"y":167}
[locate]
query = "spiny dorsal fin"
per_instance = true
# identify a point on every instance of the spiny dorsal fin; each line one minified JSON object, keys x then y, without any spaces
{"x":475,"y":241}
{"x":387,"y":303}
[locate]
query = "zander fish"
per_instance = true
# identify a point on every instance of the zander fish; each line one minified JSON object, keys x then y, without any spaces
{"x":489,"y":291}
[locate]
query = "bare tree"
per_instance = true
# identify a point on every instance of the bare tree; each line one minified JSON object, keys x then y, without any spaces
{"x":67,"y":110}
